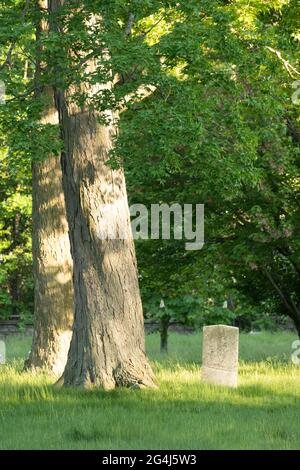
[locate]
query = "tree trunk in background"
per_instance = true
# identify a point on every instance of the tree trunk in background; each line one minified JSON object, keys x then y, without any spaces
{"x":107,"y":347}
{"x":14,"y":282}
{"x":52,"y":262}
{"x":163,"y":329}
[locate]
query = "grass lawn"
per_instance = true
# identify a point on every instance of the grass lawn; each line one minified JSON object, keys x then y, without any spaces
{"x":262,"y":413}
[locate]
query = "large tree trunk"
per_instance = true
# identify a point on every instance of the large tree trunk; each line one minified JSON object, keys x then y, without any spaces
{"x":107,"y":347}
{"x":52,"y":262}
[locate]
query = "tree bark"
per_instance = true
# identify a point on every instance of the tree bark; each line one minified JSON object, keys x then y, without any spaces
{"x":107,"y":348}
{"x":52,"y":262}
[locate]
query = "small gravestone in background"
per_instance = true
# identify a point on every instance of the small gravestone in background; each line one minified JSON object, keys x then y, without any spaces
{"x":220,"y":355}
{"x":2,"y":352}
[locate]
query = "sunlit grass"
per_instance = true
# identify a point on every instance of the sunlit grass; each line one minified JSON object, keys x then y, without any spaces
{"x":262,"y":413}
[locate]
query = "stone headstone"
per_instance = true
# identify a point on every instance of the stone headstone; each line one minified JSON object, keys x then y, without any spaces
{"x":220,"y":355}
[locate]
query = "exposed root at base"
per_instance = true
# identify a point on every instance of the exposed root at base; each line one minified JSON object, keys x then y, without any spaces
{"x":130,"y":376}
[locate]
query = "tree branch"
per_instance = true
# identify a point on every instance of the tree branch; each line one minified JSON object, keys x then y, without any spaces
{"x":288,"y":302}
{"x":288,"y":256}
{"x":7,"y":60}
{"x":21,"y":95}
{"x":144,"y":34}
{"x":137,"y":96}
{"x":288,"y":67}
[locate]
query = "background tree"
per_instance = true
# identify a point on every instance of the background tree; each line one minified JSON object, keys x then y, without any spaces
{"x":219,"y":129}
{"x":29,"y":130}
{"x":16,"y":286}
{"x":16,"y":297}
{"x":52,"y":262}
{"x":222,"y":130}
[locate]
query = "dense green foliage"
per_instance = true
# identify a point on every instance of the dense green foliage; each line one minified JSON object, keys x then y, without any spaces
{"x":220,"y":129}
{"x":15,"y":241}
{"x":227,"y":135}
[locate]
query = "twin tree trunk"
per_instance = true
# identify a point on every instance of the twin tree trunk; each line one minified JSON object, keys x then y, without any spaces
{"x":52,"y":268}
{"x":52,"y":265}
{"x":107,"y":347}
{"x":52,"y":262}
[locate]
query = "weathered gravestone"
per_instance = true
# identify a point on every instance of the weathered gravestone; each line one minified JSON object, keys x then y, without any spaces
{"x":220,"y":355}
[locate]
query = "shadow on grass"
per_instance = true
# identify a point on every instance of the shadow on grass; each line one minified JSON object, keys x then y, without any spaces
{"x":193,"y":416}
